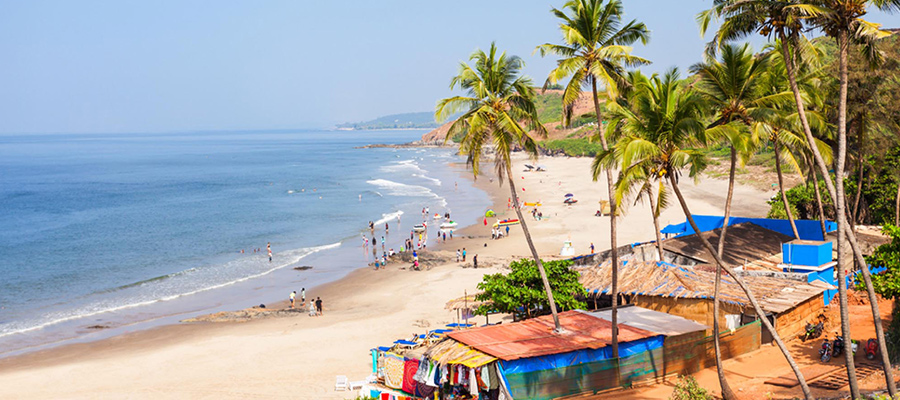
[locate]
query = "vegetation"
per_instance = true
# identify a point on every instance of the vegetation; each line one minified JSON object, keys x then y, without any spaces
{"x":497,"y":101}
{"x":573,"y":147}
{"x":687,"y":388}
{"x":887,"y":283}
{"x":521,"y":291}
{"x":420,"y":120}
{"x":819,"y":108}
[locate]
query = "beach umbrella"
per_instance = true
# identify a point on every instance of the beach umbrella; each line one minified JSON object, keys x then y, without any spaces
{"x":490,"y":213}
{"x":570,"y":195}
{"x":529,"y":166}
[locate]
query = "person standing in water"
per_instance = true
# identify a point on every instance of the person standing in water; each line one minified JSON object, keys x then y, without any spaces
{"x":303,"y":296}
{"x":386,"y":228}
{"x":293,"y":294}
{"x":269,"y":248}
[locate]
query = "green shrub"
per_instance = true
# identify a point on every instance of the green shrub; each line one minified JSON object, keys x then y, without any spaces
{"x":573,"y":147}
{"x":688,"y":389}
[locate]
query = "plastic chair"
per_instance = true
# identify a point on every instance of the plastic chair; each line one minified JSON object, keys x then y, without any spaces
{"x":341,"y":383}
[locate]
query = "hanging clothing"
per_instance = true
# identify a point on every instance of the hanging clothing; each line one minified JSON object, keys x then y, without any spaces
{"x":410,"y":367}
{"x":486,"y":376}
{"x":493,"y":376}
{"x":393,"y":371}
{"x":473,"y":382}
{"x":421,"y":372}
{"x":433,"y":377}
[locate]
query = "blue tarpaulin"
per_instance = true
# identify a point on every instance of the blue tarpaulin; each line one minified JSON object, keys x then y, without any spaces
{"x":808,"y":229}
{"x":554,"y":361}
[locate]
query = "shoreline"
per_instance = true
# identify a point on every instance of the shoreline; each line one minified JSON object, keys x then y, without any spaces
{"x":271,"y":357}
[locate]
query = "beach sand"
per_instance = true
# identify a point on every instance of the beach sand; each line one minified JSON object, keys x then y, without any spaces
{"x":299,"y":356}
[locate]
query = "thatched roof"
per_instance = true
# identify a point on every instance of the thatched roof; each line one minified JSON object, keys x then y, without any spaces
{"x":449,"y":351}
{"x":668,"y":280}
{"x":745,"y":242}
{"x":464,"y":302}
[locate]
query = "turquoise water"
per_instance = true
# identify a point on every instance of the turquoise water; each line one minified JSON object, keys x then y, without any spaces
{"x":115,"y":229}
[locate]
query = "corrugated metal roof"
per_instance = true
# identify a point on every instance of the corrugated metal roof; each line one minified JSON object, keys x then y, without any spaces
{"x":653,"y":321}
{"x":535,"y":337}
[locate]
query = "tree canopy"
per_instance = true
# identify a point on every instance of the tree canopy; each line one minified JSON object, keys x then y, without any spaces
{"x":521,"y":291}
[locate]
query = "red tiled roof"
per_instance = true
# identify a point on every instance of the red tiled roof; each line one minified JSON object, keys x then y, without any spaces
{"x":535,"y":337}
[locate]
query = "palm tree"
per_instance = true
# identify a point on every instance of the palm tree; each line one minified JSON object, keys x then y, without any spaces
{"x":596,"y":50}
{"x":662,"y":128}
{"x":784,"y":19}
{"x":638,"y":181}
{"x":842,"y":20}
{"x":731,"y":88}
{"x":498,"y":102}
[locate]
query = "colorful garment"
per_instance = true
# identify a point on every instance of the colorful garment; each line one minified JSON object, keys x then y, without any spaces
{"x":393,"y":371}
{"x":410,"y":367}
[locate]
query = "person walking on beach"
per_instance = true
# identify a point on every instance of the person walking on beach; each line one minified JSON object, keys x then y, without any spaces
{"x":269,"y":248}
{"x":592,"y":247}
{"x":507,"y":230}
{"x":312,"y":308}
{"x":464,"y":254}
{"x":318,"y":306}
{"x":475,"y":261}
{"x":457,"y":255}
{"x":303,"y":296}
{"x":293,"y":294}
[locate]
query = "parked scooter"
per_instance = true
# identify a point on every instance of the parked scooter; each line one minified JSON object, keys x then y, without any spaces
{"x":813,"y":331}
{"x":825,"y":351}
{"x":871,"y":349}
{"x":854,"y":345}
{"x":837,"y":347}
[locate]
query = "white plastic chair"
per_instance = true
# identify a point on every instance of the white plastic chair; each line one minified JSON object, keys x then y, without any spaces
{"x":341,"y":383}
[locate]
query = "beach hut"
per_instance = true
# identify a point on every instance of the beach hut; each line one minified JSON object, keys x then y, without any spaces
{"x":535,"y":363}
{"x":688,"y":292}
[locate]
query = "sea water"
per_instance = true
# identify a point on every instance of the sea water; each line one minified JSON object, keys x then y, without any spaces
{"x":113,"y":231}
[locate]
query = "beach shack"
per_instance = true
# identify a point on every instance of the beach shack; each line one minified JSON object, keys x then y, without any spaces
{"x":536,"y":363}
{"x":688,"y":292}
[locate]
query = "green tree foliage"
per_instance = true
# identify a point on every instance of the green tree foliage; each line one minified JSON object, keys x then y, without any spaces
{"x":803,"y":203}
{"x":522,"y":288}
{"x":574,"y":147}
{"x":687,"y":388}
{"x":886,"y":283}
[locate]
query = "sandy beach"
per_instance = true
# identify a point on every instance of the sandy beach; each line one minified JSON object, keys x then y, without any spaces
{"x":299,"y":356}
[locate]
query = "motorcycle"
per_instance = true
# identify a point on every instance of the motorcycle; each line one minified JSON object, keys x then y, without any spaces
{"x":837,"y":346}
{"x":813,"y":331}
{"x":825,"y":351}
{"x":871,"y":349}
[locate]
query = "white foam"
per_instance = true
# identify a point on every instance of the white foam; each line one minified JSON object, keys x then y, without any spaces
{"x":436,"y":181}
{"x":410,"y":166}
{"x":93,"y":310}
{"x":388,"y":217}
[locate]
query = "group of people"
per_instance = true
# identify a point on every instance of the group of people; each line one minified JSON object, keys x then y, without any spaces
{"x":537,"y":215}
{"x":497,"y":233}
{"x":258,"y":250}
{"x":315,"y":306}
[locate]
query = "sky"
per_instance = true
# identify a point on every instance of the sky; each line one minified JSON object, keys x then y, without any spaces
{"x":123,"y":66}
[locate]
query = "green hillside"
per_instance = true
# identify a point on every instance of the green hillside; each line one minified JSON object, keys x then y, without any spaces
{"x":419,"y":120}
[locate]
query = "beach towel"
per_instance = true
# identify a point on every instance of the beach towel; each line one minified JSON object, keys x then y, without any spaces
{"x":393,"y":371}
{"x":410,"y":367}
{"x":422,"y":372}
{"x":424,"y":391}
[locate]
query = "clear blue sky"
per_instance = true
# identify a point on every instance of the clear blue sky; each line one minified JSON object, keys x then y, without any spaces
{"x":156,"y":66}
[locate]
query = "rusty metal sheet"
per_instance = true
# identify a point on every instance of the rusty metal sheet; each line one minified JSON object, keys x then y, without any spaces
{"x":535,"y":337}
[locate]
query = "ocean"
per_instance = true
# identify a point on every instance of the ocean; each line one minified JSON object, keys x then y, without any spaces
{"x":128,"y":231}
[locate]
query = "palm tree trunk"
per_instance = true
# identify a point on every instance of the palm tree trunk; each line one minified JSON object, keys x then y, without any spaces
{"x":659,"y":245}
{"x":727,"y":393}
{"x":759,"y":311}
{"x":854,"y":244}
{"x":819,"y":205}
{"x":859,"y":167}
{"x":839,"y":203}
{"x":787,"y":206}
{"x":534,"y":253}
{"x":610,"y":186}
{"x":721,"y":248}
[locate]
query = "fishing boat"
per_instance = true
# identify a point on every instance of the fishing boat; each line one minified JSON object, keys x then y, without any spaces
{"x":437,"y":216}
{"x":419,"y":228}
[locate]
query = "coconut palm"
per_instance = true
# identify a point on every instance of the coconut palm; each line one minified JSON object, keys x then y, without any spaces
{"x":784,"y":19}
{"x":731,"y":87}
{"x":663,"y":127}
{"x":595,"y":52}
{"x":498,"y":110}
{"x":842,"y":20}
